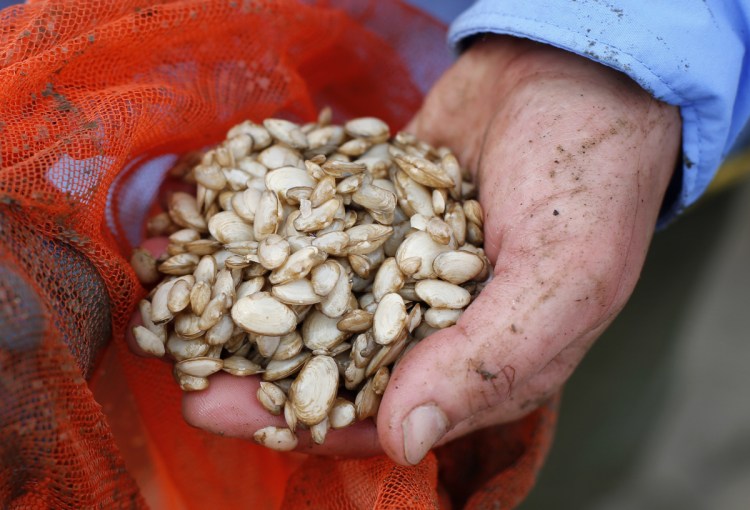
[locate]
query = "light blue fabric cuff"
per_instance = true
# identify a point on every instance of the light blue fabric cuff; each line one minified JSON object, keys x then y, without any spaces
{"x":689,"y":53}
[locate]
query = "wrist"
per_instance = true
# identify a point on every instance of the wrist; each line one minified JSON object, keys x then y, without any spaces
{"x":515,"y":61}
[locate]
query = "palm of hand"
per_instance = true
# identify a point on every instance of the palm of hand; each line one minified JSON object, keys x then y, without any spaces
{"x":572,"y":161}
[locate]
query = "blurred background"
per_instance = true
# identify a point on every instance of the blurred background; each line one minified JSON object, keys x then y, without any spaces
{"x":657,"y":416}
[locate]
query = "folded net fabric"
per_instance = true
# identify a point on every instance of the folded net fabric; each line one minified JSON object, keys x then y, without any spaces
{"x":96,"y":98}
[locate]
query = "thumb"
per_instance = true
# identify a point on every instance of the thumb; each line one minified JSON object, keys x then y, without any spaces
{"x":495,"y":362}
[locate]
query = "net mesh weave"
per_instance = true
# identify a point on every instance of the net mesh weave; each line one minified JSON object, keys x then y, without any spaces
{"x":92,"y":93}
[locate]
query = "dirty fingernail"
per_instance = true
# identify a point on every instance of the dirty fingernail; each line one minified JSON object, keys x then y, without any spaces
{"x":422,"y":428}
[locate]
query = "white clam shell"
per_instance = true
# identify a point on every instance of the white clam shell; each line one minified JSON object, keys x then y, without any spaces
{"x":286,"y":132}
{"x":184,"y":210}
{"x":285,"y":178}
{"x":420,"y":245}
{"x":440,"y":318}
{"x":369,"y":128}
{"x":319,"y":431}
{"x":389,"y":320}
{"x":314,"y":390}
{"x":191,"y":382}
{"x":271,"y":397}
{"x":245,"y":203}
{"x":227,"y":227}
{"x":440,"y":294}
{"x":276,"y":438}
{"x":279,"y":369}
{"x":266,"y":215}
{"x":267,"y":345}
{"x":333,"y":243}
{"x":452,"y":168}
{"x":367,"y":401}
{"x":273,"y":251}
{"x":342,"y":414}
{"x":413,"y":197}
{"x":199,"y":367}
{"x":457,"y":266}
{"x":336,"y":302}
{"x":389,"y":278}
{"x":320,"y":332}
{"x":326,"y":137}
{"x":264,"y":315}
{"x":325,"y":276}
{"x":355,"y":321}
{"x":296,"y":292}
{"x":278,"y":156}
{"x":241,"y":367}
{"x":364,"y":239}
{"x":250,"y":287}
{"x":424,"y":172}
{"x":183,"y":348}
{"x":289,"y":346}
{"x":297,"y":265}
{"x":148,"y":341}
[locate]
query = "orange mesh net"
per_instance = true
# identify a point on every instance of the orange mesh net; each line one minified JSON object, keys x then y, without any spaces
{"x":96,"y":96}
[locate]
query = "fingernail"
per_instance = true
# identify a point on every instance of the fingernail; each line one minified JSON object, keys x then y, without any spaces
{"x":422,"y":428}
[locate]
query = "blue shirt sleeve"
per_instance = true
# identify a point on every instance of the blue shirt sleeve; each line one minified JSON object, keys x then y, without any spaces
{"x":689,"y":53}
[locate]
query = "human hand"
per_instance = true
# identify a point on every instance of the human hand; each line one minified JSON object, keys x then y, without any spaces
{"x":572,"y":160}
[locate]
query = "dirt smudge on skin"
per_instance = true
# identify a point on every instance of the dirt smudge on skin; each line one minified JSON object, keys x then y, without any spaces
{"x":508,"y":372}
{"x":550,"y":292}
{"x":510,"y":376}
{"x":487,"y":376}
{"x":481,"y":371}
{"x":614,"y":130}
